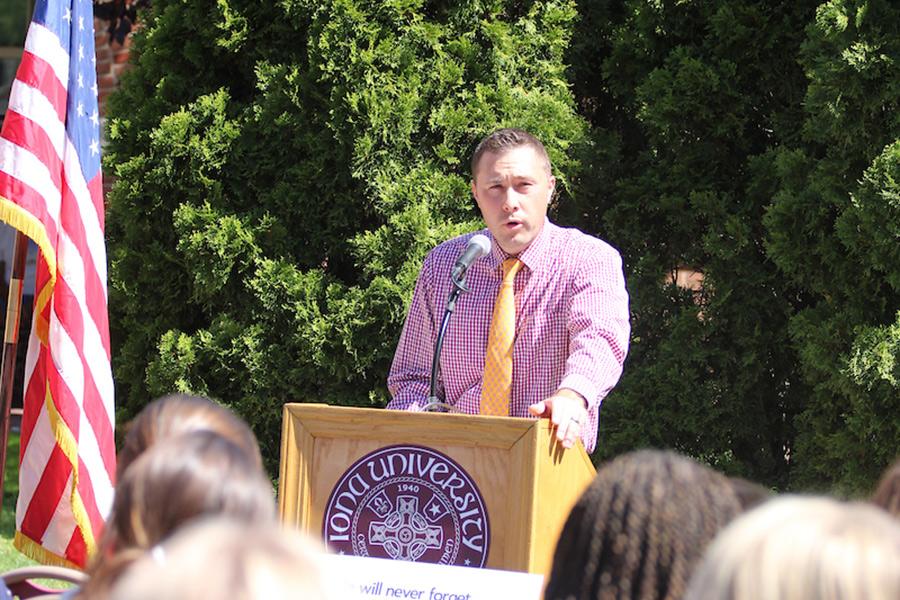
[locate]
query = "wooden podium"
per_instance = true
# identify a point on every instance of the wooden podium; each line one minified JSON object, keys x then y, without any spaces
{"x":528,"y":482}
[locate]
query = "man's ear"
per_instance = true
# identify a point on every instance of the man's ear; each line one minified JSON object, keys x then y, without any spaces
{"x":472,"y":186}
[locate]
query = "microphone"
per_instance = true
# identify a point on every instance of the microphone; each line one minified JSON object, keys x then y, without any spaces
{"x":478,"y":246}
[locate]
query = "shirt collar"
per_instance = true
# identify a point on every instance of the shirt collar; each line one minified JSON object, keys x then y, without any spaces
{"x":534,"y":256}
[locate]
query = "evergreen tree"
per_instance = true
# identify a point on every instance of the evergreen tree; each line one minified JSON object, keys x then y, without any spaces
{"x":685,"y":100}
{"x":757,"y":142}
{"x":834,"y":230}
{"x":284,"y":167}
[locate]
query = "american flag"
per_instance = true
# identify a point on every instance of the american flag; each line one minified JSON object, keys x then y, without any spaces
{"x":51,"y":190}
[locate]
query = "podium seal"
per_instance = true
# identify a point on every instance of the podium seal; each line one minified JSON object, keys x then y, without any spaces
{"x":408,"y":503}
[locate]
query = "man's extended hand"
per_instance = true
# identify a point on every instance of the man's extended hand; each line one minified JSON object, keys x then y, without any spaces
{"x":567,"y":412}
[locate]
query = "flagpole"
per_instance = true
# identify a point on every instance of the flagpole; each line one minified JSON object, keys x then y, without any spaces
{"x":10,"y":342}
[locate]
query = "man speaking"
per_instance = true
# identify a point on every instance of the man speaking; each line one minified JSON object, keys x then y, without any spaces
{"x":544,"y":328}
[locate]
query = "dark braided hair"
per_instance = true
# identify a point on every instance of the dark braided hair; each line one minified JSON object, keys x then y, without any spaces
{"x":639,"y":528}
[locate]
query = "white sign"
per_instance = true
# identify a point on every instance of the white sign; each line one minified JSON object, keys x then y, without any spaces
{"x":381,"y":579}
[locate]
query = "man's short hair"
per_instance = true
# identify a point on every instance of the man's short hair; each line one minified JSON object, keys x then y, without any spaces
{"x":502,"y":140}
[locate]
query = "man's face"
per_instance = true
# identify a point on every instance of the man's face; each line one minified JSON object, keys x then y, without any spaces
{"x":513,"y":189}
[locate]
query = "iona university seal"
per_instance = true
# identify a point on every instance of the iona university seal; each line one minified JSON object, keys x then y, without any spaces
{"x":408,"y":503}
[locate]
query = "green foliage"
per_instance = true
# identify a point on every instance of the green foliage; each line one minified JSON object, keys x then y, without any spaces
{"x":283,"y":167}
{"x":874,"y":361}
{"x":14,"y":18}
{"x":282,"y":170}
{"x":756,"y":142}
{"x":689,"y":98}
{"x":833,"y":228}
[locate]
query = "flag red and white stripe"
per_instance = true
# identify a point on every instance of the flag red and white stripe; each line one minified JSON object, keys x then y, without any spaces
{"x":51,"y":190}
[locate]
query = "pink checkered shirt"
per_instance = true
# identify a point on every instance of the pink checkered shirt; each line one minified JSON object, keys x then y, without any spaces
{"x":571,"y":325}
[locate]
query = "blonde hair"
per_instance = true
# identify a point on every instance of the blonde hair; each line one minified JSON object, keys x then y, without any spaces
{"x":220,"y":558}
{"x":803,"y":548}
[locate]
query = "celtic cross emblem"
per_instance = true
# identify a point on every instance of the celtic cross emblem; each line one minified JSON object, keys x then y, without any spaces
{"x":405,"y":534}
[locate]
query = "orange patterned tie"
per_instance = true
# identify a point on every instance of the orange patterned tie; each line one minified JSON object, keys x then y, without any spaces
{"x":495,"y":388}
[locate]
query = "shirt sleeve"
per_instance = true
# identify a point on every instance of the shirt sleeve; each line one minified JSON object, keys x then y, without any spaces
{"x":410,"y":375}
{"x":598,"y":325}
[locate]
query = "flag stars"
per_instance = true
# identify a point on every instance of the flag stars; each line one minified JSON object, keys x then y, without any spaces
{"x":80,"y":51}
{"x":95,"y":147}
{"x":79,"y":109}
{"x":95,"y":118}
{"x":80,"y":23}
{"x":67,"y":17}
{"x":94,"y":88}
{"x":80,"y":80}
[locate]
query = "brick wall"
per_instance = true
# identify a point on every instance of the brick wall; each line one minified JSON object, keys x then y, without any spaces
{"x":112,"y":60}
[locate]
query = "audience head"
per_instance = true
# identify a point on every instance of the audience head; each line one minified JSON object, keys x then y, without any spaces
{"x":220,"y":559}
{"x":179,"y":413}
{"x":803,"y":548}
{"x":639,"y":529}
{"x":196,"y":474}
{"x":749,"y":493}
{"x":887,"y":494}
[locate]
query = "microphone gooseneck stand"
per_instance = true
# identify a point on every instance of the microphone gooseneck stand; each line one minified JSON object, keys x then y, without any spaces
{"x":459,"y":286}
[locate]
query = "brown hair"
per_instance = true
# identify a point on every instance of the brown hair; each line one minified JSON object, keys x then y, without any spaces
{"x":639,"y":528}
{"x":502,"y":140}
{"x":179,"y":413}
{"x":887,"y":494}
{"x":749,"y":493}
{"x":198,"y":473}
